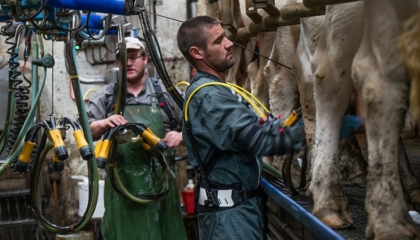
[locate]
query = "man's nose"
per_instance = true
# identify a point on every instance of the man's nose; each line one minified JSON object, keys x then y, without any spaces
{"x":229,"y":43}
{"x":129,"y":62}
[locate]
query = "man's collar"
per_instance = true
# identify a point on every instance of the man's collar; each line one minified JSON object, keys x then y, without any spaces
{"x":198,"y":75}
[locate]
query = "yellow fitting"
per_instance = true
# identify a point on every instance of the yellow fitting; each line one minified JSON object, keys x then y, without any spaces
{"x":56,"y":138}
{"x":106,"y":146}
{"x":98,"y":148}
{"x":25,"y":156}
{"x":291,"y":119}
{"x":80,"y":138}
{"x":150,"y":136}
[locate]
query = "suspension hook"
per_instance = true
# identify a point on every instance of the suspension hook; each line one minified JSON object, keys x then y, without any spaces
{"x":47,"y":61}
{"x":139,"y":6}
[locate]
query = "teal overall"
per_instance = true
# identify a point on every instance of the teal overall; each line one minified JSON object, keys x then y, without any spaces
{"x":142,"y":174}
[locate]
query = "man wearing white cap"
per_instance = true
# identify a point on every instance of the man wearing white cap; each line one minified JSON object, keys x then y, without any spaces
{"x":147,"y":102}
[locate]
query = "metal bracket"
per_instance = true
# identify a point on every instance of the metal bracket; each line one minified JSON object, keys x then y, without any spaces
{"x":267,"y":5}
{"x":226,"y":18}
{"x":252,"y":12}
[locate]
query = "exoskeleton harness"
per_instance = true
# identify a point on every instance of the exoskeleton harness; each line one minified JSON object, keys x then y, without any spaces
{"x":160,"y":97}
{"x":214,"y":196}
{"x":209,"y":195}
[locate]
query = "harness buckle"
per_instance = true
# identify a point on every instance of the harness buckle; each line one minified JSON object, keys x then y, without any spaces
{"x":219,"y":198}
{"x":224,"y":197}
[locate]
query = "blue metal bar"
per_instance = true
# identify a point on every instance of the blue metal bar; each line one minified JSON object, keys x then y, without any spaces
{"x":95,"y":20}
{"x":308,"y":220}
{"x":103,"y":6}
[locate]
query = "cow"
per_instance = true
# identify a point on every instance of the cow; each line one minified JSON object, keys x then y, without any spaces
{"x":326,"y":56}
{"x":322,"y":66}
{"x":327,"y":46}
{"x":274,"y":82}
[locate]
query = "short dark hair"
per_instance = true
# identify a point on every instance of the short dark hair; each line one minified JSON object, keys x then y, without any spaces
{"x":191,"y":33}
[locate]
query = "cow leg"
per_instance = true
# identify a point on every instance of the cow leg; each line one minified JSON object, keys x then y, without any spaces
{"x":330,"y":204}
{"x":333,"y":87}
{"x":387,"y":213}
{"x":282,"y":87}
{"x":304,"y":65}
{"x":384,"y":84}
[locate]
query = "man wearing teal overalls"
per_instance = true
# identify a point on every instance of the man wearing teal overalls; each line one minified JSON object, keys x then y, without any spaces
{"x":124,"y":219}
{"x":225,"y":139}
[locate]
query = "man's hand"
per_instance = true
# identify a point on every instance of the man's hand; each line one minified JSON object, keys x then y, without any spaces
{"x":100,"y":126}
{"x":173,"y":138}
{"x":113,"y":120}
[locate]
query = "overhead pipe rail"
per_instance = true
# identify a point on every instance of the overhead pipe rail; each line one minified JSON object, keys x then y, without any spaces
{"x":289,"y":14}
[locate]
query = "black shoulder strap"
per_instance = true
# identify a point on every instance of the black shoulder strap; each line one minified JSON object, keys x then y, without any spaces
{"x":111,"y":106}
{"x":162,"y":103}
{"x":210,"y":164}
{"x":217,"y":153}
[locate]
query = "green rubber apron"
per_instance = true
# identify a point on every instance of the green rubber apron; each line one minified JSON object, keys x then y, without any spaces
{"x":141,"y":173}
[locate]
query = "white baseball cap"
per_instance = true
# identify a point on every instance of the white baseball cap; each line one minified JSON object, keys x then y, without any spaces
{"x":132,"y":43}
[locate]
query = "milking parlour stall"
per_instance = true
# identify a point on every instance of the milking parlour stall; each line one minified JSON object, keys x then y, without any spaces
{"x":348,"y":71}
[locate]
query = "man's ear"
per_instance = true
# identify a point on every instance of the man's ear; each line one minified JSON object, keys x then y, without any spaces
{"x":196,"y":52}
{"x":145,"y":58}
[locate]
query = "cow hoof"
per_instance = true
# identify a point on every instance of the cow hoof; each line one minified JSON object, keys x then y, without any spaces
{"x":335,"y":219}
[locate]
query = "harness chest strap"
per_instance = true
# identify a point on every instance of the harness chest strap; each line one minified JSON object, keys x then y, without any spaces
{"x":163,"y":104}
{"x":160,"y":97}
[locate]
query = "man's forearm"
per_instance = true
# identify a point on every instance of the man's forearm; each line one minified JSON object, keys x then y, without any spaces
{"x":97,"y":128}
